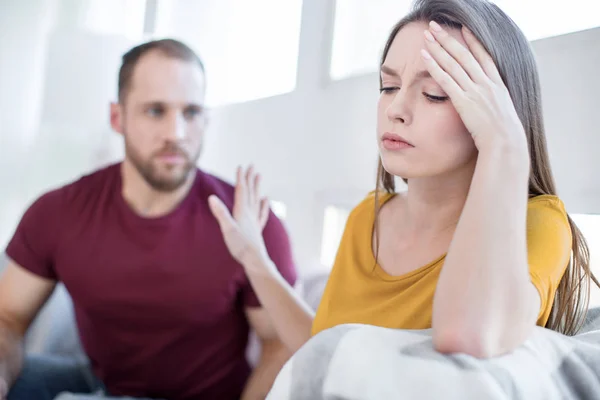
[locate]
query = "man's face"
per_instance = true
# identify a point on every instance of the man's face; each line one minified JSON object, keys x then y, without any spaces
{"x":162,"y":119}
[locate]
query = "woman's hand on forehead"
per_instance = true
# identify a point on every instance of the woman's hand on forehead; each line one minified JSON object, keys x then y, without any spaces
{"x":470,"y":77}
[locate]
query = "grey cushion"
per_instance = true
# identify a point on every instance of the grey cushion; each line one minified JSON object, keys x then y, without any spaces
{"x":592,"y":321}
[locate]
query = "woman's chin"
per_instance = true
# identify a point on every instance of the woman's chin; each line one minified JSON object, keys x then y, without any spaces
{"x":400,"y":171}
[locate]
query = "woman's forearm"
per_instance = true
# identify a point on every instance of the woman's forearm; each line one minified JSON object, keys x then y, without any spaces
{"x":484,"y":289}
{"x":290,"y":315}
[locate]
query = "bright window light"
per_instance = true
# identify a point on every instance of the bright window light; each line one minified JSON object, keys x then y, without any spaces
{"x":116,"y":17}
{"x":250,"y":48}
{"x":541,"y":19}
{"x":362,"y":27}
{"x":334,"y":223}
{"x":589,"y":225}
{"x":279,"y":208}
{"x":359,"y":34}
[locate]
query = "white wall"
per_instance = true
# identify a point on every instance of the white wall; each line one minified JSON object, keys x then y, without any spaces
{"x":22,"y":48}
{"x":55,"y":83}
{"x":315,"y":146}
{"x":570,"y":84}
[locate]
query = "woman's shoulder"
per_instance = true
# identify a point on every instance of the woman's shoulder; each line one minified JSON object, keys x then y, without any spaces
{"x":547,"y":213}
{"x":546,"y":203}
{"x":362,"y":216}
{"x":366,"y":208}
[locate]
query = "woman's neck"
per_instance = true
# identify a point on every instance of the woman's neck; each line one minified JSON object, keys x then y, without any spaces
{"x":434,"y":204}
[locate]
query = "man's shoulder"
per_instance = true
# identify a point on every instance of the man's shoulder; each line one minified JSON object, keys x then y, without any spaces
{"x":96,"y":177}
{"x":84,"y":188}
{"x":210,"y":183}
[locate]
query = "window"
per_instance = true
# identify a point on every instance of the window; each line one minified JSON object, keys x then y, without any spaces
{"x":359,"y":33}
{"x":116,"y":17}
{"x":589,"y":224}
{"x":558,"y":18}
{"x":361,"y":27}
{"x":250,"y":48}
{"x":279,"y":209}
{"x":334,"y":223}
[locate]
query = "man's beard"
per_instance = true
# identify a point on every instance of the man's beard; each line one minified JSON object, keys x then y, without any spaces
{"x":149,"y":172}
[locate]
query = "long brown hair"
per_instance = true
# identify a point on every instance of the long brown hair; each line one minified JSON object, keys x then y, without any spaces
{"x":515,"y":61}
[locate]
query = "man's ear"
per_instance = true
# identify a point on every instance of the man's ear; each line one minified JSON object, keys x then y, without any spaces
{"x":116,"y":117}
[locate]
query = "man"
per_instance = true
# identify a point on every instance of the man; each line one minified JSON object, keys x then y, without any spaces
{"x":162,"y":309}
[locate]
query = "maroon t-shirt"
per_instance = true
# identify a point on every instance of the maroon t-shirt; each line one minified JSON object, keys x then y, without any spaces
{"x":159,"y":302}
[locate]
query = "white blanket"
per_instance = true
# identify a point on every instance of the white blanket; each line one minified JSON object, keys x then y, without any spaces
{"x":352,"y":362}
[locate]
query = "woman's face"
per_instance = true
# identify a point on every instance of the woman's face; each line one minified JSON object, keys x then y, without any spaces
{"x":419,"y":132}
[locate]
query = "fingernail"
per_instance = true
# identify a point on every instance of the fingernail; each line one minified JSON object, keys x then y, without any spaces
{"x":435,"y":26}
{"x":425,"y":54}
{"x":429,"y":36}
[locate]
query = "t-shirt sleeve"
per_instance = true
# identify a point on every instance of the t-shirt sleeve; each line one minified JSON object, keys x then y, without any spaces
{"x":34,"y":242}
{"x":549,"y":244}
{"x":278,"y":246}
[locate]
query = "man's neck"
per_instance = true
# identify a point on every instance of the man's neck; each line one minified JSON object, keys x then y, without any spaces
{"x":147,"y":201}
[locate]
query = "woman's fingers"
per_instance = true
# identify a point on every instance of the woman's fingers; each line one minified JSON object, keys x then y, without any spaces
{"x":249,"y":180}
{"x":247,"y":190}
{"x":239,"y":200}
{"x":222,"y":214}
{"x":264,"y":212}
{"x":482,"y":56}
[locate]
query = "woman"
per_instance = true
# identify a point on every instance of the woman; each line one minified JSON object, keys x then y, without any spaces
{"x":479,"y":246}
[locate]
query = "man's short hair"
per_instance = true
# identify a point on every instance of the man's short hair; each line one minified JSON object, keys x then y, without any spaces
{"x":168,"y":47}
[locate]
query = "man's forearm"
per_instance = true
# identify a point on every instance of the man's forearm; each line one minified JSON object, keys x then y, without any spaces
{"x":11,"y":355}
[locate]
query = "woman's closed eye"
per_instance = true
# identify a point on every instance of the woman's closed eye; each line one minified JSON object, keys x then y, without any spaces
{"x":435,"y":99}
{"x":388,"y":89}
{"x":430,"y":97}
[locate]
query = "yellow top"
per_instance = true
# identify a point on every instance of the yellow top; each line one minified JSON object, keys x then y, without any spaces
{"x":360,"y":291}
